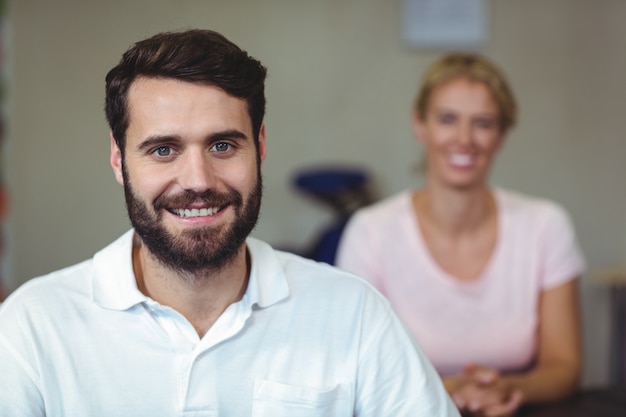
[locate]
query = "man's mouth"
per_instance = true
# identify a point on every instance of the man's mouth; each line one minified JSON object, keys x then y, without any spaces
{"x":195,"y":212}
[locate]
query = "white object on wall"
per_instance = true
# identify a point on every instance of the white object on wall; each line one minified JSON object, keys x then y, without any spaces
{"x":449,"y":24}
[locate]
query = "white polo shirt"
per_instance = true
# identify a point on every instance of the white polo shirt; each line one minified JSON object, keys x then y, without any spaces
{"x":305,"y":340}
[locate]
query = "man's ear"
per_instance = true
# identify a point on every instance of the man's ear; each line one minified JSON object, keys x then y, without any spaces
{"x":116,"y":160}
{"x":262,"y":142}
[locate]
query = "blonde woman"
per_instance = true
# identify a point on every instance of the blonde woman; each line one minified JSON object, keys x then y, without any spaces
{"x":485,"y":278}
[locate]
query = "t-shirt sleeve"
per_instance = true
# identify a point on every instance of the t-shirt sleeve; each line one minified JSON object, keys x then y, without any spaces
{"x":562,"y":258}
{"x":357,"y":249}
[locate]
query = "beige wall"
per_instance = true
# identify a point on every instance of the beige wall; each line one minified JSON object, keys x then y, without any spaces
{"x":339,"y":90}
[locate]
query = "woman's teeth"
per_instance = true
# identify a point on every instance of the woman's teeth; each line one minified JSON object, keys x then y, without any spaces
{"x":461,"y":159}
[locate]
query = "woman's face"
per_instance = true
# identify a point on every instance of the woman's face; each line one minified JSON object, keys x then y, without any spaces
{"x":460,"y":133}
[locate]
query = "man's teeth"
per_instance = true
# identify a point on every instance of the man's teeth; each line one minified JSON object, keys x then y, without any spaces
{"x":461,"y":159}
{"x":196,"y":212}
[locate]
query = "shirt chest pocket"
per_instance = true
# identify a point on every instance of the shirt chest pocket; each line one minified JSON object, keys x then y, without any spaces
{"x":273,"y":399}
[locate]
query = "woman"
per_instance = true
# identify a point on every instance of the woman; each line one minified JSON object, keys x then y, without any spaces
{"x":485,"y":278}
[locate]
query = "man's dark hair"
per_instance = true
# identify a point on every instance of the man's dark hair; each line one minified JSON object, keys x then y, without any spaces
{"x":197,"y":56}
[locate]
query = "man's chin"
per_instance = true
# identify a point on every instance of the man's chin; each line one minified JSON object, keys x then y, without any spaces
{"x":198,"y":248}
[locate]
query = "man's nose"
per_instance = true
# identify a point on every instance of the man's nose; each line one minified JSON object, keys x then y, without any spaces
{"x":196,"y":172}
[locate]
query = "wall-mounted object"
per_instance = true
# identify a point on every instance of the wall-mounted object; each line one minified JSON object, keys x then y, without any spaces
{"x":445,"y":24}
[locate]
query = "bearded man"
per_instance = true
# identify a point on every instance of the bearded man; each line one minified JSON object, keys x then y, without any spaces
{"x":185,"y":314}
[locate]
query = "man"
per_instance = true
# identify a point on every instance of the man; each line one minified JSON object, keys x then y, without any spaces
{"x":185,"y":314}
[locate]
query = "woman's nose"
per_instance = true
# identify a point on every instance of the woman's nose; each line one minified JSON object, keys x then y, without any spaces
{"x":465,"y":135}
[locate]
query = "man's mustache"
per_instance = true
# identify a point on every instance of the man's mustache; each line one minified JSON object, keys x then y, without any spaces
{"x":187,"y":198}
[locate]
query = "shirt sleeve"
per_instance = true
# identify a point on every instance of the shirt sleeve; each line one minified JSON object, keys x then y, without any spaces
{"x":19,"y":394}
{"x":394,"y":377}
{"x":562,"y":259}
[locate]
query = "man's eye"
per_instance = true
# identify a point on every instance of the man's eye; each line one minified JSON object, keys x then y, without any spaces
{"x":163,"y":151}
{"x":221,"y":147}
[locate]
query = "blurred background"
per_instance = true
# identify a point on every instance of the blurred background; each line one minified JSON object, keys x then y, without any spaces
{"x":340,"y":89}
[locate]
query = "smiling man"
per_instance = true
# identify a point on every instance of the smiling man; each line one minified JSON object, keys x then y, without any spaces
{"x":185,"y":314}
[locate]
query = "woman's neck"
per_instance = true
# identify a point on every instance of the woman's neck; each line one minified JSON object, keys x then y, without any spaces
{"x":454,"y":211}
{"x":459,"y":228}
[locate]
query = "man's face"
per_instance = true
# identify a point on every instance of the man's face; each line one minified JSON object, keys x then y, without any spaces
{"x":190,"y":172}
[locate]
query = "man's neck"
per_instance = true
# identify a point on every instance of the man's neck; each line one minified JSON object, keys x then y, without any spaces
{"x":201,"y":297}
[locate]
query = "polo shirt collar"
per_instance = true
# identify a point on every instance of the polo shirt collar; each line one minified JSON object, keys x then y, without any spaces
{"x":268,"y":283}
{"x":115,"y":286}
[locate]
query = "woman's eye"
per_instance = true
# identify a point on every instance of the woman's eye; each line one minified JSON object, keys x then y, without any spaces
{"x":446,"y":119}
{"x":485,"y":123}
{"x":163,"y":151}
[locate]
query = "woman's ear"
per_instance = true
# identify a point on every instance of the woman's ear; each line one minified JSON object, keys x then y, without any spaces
{"x":418,"y":126}
{"x":116,"y":160}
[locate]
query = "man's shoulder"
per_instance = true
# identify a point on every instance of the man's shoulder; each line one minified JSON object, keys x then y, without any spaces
{"x":61,"y":278}
{"x":53,"y":289}
{"x":295,"y":264}
{"x":50,"y":292}
{"x":312,"y":278}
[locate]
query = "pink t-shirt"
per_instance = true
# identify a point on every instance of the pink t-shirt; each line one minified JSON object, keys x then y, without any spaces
{"x":491,"y":320}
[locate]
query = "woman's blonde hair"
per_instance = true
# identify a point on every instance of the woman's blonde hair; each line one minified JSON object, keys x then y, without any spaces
{"x":475,"y":68}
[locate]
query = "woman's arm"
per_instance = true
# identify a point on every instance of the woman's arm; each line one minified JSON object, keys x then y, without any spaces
{"x":556,"y":374}
{"x":559,"y":356}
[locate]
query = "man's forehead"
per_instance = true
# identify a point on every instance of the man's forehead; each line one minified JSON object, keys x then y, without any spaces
{"x":146,"y":87}
{"x":158,"y":102}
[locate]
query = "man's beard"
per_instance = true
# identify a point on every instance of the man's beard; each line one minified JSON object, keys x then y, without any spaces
{"x":198,"y":249}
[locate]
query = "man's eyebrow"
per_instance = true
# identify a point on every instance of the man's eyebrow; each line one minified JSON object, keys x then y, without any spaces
{"x":158,"y":140}
{"x":227,"y":134}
